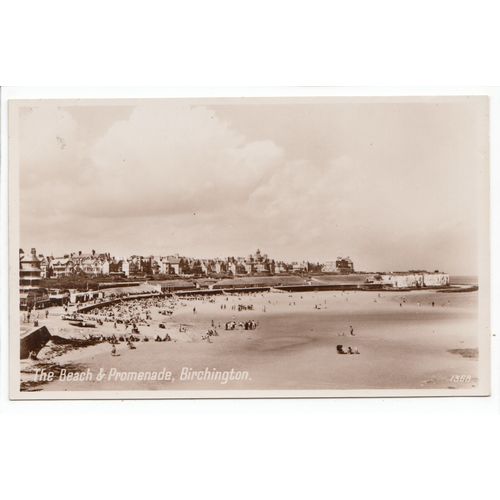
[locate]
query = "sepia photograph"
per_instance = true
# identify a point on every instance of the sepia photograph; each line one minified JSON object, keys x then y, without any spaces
{"x":249,"y":247}
{"x":249,"y":250}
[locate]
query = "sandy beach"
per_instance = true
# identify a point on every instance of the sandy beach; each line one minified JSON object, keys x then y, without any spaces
{"x":403,"y":340}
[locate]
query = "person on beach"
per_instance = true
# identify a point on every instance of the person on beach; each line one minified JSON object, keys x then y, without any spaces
{"x":113,"y":350}
{"x":351,"y":330}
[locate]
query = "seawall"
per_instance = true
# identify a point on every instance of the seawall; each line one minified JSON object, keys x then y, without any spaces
{"x":34,"y":340}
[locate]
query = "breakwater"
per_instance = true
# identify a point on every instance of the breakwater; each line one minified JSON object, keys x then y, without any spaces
{"x":34,"y":340}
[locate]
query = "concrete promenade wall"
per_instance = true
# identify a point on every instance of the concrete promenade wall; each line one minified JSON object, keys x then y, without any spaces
{"x":250,"y":289}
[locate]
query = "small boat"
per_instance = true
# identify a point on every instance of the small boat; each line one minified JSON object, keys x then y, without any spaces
{"x":70,"y":317}
{"x":83,"y":324}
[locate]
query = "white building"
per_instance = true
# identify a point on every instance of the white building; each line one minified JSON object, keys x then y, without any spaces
{"x":402,"y":280}
{"x":436,"y":279}
{"x":419,"y":279}
{"x":299,"y":266}
{"x":125,"y":267}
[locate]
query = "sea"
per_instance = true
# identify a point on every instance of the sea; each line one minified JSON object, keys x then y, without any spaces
{"x":463,"y":280}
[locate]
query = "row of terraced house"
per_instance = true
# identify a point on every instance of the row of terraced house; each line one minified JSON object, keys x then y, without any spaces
{"x":103,"y":264}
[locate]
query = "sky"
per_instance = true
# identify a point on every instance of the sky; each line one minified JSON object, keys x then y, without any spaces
{"x":394,"y":184}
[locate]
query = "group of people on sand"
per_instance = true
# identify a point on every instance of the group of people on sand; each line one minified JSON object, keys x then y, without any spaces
{"x":211,"y":332}
{"x":341,"y":349}
{"x":167,"y":338}
{"x":131,"y":339}
{"x":30,"y":314}
{"x":136,"y":311}
{"x":244,"y":307}
{"x":241,"y":325}
{"x":347,"y":349}
{"x":113,"y":339}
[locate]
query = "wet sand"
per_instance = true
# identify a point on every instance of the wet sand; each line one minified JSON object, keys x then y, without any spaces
{"x":404,"y":343}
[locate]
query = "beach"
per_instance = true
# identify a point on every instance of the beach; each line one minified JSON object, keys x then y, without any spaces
{"x":403,"y":340}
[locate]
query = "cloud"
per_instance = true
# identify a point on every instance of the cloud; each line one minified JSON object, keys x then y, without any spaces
{"x":169,"y":160}
{"x":167,"y":176}
{"x":163,"y":160}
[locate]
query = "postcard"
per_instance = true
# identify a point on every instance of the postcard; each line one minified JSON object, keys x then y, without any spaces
{"x":249,"y":247}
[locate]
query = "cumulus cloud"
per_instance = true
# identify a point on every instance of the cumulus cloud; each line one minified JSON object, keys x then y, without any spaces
{"x":173,"y":176}
{"x":175,"y":160}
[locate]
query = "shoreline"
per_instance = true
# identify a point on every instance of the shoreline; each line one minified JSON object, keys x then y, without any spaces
{"x":280,"y":288}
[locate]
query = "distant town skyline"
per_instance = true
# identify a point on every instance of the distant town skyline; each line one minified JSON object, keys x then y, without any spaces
{"x":47,"y":253}
{"x":392,"y":184}
{"x":27,"y":250}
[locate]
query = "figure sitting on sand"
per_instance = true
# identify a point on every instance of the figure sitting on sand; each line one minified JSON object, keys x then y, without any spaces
{"x":347,"y":350}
